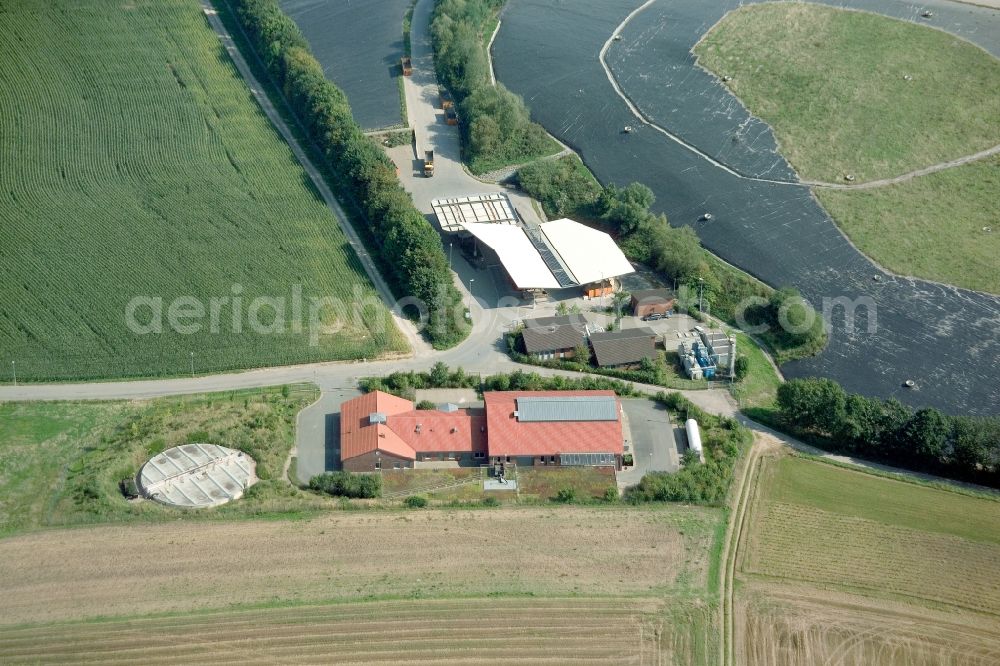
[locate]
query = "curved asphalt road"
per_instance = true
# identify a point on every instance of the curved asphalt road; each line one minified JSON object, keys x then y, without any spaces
{"x":943,"y":338}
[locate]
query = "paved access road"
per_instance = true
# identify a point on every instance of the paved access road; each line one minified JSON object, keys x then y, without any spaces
{"x":654,"y":448}
{"x":943,"y":338}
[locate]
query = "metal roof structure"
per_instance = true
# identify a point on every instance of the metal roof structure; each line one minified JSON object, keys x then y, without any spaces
{"x":567,"y":408}
{"x":519,"y":257}
{"x":589,"y":255}
{"x":197,"y":475}
{"x":454,"y":213}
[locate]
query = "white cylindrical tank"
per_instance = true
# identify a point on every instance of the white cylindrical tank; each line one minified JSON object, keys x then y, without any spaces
{"x":694,"y":438}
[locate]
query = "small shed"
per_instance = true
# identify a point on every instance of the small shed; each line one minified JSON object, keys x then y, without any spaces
{"x":652,"y":301}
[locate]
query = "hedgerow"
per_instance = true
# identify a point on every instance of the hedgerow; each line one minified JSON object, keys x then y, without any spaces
{"x":409,"y":244}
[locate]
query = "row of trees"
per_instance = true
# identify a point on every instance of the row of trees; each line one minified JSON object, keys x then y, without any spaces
{"x":962,"y":447}
{"x":410,"y":247}
{"x":497,"y":127}
{"x":405,"y":384}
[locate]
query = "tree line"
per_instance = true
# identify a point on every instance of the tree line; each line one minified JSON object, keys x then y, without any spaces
{"x":496,"y":126}
{"x":409,"y":245}
{"x":961,"y":447}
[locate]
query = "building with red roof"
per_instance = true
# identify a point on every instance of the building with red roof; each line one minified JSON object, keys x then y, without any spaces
{"x":381,"y":431}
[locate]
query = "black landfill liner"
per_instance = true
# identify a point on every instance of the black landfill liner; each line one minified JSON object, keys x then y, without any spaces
{"x":943,"y":338}
{"x":359,"y":44}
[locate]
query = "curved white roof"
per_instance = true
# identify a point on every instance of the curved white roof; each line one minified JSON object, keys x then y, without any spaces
{"x":589,"y":254}
{"x":518,"y":256}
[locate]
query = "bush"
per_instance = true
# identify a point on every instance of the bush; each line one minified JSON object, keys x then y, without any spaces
{"x":563,"y":186}
{"x":415,"y":502}
{"x":408,"y":243}
{"x":345,"y":484}
{"x":490,"y":501}
{"x":426,"y":405}
{"x":611,"y":494}
{"x":566,"y":495}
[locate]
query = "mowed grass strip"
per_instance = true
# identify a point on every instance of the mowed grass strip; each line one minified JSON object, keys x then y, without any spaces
{"x":844,"y":529}
{"x":852,"y":493}
{"x":832,"y":84}
{"x":806,"y":544}
{"x":931,"y":226}
{"x":137,"y":163}
{"x":579,"y":630}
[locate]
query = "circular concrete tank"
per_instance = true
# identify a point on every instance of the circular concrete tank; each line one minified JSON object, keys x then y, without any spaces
{"x":197,"y":475}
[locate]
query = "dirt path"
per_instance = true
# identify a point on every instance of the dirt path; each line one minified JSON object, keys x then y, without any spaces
{"x":934,"y":168}
{"x":744,"y":485}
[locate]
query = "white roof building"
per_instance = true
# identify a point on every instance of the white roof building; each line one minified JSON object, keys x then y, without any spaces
{"x":518,"y":256}
{"x":589,"y":254}
{"x":555,"y":255}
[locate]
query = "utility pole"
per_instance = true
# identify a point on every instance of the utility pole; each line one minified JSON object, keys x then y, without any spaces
{"x":701,"y":292}
{"x":450,"y":244}
{"x":471,"y":280}
{"x":13,"y":367}
{"x":192,"y":365}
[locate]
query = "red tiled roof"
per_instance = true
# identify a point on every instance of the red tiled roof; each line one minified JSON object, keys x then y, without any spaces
{"x":510,"y":437}
{"x":357,"y":436}
{"x":458,"y":431}
{"x":441,"y":431}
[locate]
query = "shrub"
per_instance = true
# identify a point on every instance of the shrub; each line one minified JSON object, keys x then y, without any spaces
{"x":490,"y":501}
{"x":426,"y":404}
{"x":611,"y":494}
{"x":345,"y":484}
{"x":566,"y":495}
{"x":415,"y":502}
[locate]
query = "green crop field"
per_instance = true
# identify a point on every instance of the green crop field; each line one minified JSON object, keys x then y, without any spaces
{"x":931,"y":226}
{"x":832,"y":84}
{"x":846,"y":530}
{"x":137,"y":163}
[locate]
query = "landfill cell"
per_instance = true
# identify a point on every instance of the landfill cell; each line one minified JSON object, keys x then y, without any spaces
{"x":359,"y":45}
{"x":944,"y":339}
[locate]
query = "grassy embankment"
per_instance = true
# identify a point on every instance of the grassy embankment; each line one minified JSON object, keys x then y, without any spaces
{"x":810,"y":72}
{"x":60,"y":462}
{"x":837,"y":557}
{"x":175,"y":185}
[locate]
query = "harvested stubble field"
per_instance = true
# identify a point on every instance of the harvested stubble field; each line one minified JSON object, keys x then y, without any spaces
{"x":841,"y":566}
{"x":58,"y":575}
{"x":137,"y":163}
{"x":453,"y":631}
{"x":788,"y":625}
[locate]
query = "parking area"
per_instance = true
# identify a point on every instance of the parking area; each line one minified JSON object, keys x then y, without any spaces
{"x":651,"y":440}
